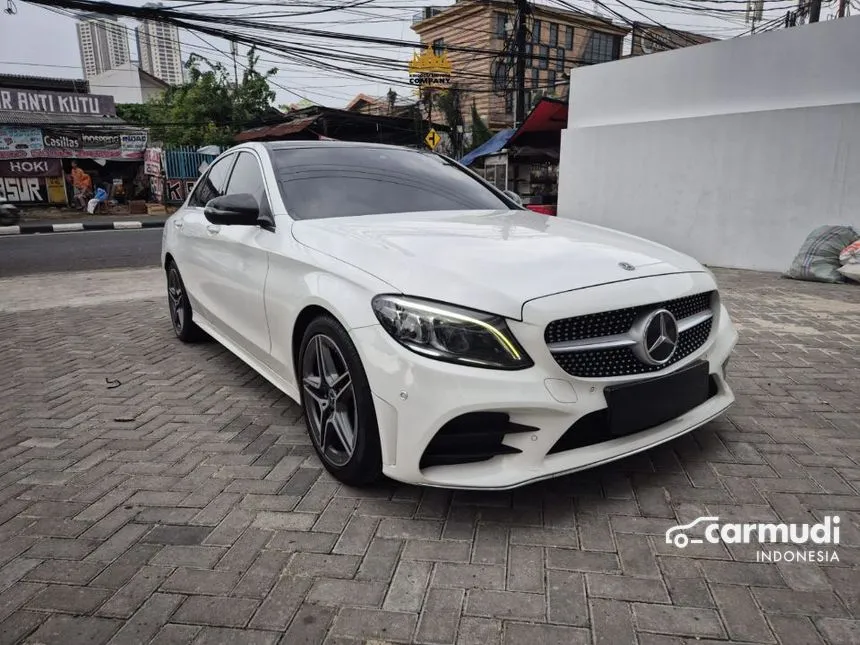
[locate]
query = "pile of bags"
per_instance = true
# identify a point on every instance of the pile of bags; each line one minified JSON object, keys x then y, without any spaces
{"x":829,"y":254}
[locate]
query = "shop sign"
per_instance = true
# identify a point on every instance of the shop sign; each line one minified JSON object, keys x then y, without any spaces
{"x":175,"y":190}
{"x":31,"y":168}
{"x":19,"y":141}
{"x":152,"y":162}
{"x":63,"y":140}
{"x":429,"y":70}
{"x":91,"y":141}
{"x":156,"y":186}
{"x":23,"y":190}
{"x":134,"y":141}
{"x":13,"y":100}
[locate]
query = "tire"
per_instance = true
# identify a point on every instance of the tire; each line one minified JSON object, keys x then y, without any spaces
{"x":340,"y":404}
{"x":181,"y":316}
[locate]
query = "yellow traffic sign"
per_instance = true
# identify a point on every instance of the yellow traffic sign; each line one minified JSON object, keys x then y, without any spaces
{"x":432,"y":139}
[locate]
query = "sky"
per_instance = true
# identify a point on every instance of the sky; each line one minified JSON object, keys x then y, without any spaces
{"x":39,"y":41}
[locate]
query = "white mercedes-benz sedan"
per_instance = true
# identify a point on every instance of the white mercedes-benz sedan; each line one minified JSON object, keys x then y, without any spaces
{"x":433,"y":329}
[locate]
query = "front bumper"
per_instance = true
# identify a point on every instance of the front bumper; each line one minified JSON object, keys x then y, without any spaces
{"x":415,"y":396}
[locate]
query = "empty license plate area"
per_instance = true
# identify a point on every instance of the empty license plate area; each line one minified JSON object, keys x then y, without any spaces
{"x":644,"y":404}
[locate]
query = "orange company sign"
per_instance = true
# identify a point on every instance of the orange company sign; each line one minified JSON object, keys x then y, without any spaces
{"x":430,"y":70}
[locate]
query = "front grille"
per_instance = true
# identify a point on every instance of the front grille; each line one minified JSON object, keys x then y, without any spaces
{"x":471,"y":437}
{"x":621,"y":361}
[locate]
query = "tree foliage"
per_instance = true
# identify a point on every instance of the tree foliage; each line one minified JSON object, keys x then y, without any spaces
{"x":480,"y":131}
{"x":208,"y":109}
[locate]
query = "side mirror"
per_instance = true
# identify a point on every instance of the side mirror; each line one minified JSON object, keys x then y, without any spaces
{"x":514,"y":196}
{"x":233,"y":210}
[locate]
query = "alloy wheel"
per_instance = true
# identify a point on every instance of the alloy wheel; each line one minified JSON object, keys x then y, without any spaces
{"x":329,"y":400}
{"x":176,"y":296}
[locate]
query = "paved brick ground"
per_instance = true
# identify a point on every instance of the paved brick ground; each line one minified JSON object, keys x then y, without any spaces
{"x":153,"y":492}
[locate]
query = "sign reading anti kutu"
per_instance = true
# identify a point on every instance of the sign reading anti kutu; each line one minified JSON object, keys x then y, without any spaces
{"x":56,"y":103}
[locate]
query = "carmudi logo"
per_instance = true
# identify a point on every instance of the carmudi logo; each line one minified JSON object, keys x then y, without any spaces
{"x":825,"y":533}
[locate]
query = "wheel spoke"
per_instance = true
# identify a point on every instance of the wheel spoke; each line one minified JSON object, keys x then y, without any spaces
{"x":320,"y":359}
{"x":341,"y":385}
{"x":344,"y":432}
{"x":325,"y":421}
{"x":313,"y":388}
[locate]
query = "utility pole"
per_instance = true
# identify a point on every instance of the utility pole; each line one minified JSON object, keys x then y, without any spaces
{"x":234,"y":51}
{"x":814,"y":10}
{"x":523,"y":10}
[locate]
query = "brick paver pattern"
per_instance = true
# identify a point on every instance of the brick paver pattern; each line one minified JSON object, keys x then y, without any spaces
{"x":156,"y":492}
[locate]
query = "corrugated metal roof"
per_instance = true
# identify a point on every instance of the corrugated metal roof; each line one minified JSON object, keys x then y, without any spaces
{"x":17,"y":117}
{"x":279,"y":130}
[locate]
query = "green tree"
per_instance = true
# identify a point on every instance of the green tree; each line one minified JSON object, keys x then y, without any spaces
{"x":209,"y":109}
{"x":480,"y":132}
{"x":448,"y":103}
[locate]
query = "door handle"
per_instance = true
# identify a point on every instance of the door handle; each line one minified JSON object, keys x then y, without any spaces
{"x":177,"y":223}
{"x":214,"y":229}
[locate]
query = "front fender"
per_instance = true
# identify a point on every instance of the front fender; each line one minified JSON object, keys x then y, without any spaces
{"x":306,"y":279}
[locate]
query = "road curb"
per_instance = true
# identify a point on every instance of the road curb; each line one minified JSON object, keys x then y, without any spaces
{"x":69,"y":227}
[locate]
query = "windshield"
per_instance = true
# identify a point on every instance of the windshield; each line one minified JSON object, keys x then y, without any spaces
{"x":341,"y":181}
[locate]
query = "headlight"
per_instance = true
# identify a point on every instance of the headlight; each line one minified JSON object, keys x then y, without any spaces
{"x":449,"y":333}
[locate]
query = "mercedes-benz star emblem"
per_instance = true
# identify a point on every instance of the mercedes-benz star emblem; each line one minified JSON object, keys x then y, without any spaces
{"x":626,"y":266}
{"x":658,"y":338}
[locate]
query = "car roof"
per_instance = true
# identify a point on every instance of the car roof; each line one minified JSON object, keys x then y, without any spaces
{"x":292,"y":145}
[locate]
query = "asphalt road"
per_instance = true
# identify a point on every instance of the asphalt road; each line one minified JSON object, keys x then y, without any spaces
{"x":60,"y":252}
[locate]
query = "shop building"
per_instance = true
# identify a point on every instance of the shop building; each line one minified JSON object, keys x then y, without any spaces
{"x":525,"y":160}
{"x":46,"y":124}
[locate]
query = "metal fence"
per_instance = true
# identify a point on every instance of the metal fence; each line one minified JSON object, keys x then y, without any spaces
{"x":184,"y":162}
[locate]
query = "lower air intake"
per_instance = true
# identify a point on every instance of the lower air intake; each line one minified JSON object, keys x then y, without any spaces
{"x":470,"y":438}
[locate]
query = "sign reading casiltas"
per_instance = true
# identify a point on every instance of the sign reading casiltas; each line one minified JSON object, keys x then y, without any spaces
{"x":96,"y":105}
{"x":429,"y":70}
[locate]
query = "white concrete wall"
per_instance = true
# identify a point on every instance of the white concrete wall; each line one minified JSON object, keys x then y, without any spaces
{"x":125,"y":84}
{"x":731,"y":151}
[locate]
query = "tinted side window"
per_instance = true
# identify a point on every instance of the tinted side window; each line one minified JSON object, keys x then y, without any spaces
{"x":247,"y":178}
{"x":212,"y":184}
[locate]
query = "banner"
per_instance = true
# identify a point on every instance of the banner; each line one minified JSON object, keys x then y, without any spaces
{"x":91,"y":141}
{"x":152,"y":162}
{"x":72,"y":153}
{"x":23,"y":190}
{"x":31,"y":168}
{"x":20,"y":140}
{"x":134,"y":141}
{"x":63,"y":139}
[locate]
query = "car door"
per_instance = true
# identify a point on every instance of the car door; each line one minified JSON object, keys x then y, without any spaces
{"x":194,"y":234}
{"x":239,"y":264}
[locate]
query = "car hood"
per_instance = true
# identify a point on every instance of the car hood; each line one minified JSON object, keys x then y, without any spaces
{"x":494,"y":261}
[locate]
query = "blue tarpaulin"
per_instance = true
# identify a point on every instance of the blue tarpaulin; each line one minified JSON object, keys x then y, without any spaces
{"x":493,"y":145}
